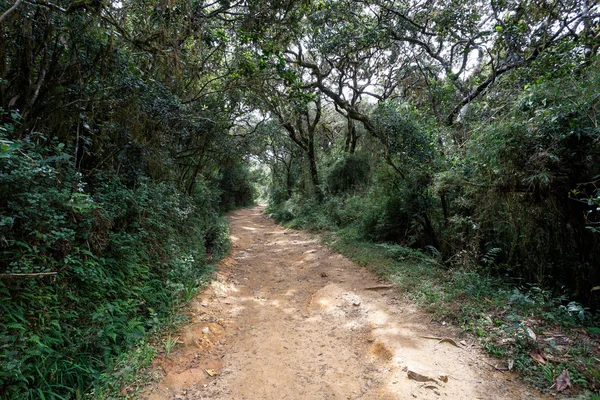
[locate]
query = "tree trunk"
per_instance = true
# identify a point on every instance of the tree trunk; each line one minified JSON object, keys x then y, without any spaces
{"x":314,"y":173}
{"x":288,"y":178}
{"x":350,"y":145}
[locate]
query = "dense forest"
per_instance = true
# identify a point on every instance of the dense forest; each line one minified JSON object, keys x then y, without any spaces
{"x":465,"y":129}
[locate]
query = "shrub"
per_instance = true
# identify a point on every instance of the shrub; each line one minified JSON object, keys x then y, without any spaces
{"x":106,"y":262}
{"x":347,"y":173}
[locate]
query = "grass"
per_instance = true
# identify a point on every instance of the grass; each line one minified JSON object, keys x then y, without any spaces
{"x":133,"y":371}
{"x":501,"y":316}
{"x":169,"y":343}
{"x":130,"y":374}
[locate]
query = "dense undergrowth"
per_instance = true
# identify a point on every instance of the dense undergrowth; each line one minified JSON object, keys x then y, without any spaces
{"x":91,"y":266}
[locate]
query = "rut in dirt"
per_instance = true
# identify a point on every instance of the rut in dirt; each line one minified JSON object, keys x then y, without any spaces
{"x":288,"y":318}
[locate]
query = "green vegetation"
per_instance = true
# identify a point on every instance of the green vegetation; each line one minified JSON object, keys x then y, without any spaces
{"x":459,"y":140}
{"x":112,"y":193}
{"x":89,"y":271}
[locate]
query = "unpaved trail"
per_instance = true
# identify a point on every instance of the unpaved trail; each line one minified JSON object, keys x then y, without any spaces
{"x":288,"y":318}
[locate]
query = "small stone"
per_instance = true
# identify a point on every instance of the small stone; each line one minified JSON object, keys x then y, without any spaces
{"x":419,"y":377}
{"x":206,"y":330}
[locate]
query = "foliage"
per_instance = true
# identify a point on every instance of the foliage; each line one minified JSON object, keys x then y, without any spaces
{"x":347,"y":173}
{"x":234,"y":186}
{"x":118,"y":260}
{"x":535,"y":176}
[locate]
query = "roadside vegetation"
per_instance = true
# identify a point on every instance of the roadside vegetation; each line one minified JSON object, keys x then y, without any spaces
{"x":112,"y":194}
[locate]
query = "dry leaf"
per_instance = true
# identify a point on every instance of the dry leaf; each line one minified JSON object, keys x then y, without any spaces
{"x":211,"y":372}
{"x":595,"y":288}
{"x":448,"y":340}
{"x":563,"y":381}
{"x":511,"y":364}
{"x":537,"y":357}
{"x":531,"y":334}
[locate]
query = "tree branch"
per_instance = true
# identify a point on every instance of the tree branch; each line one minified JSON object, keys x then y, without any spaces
{"x":10,"y":276}
{"x":10,"y":10}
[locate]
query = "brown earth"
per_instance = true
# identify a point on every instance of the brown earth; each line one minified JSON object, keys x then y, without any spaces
{"x":288,"y":318}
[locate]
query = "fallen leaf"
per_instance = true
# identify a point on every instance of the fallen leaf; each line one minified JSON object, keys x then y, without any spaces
{"x":563,"y":381}
{"x":211,"y":372}
{"x":448,"y":340}
{"x":595,"y":288}
{"x":537,"y":357}
{"x":463,"y":343}
{"x":531,"y":334}
{"x":511,"y":363}
{"x":488,"y":300}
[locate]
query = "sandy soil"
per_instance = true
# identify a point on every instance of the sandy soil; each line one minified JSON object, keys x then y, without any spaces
{"x":288,"y":318}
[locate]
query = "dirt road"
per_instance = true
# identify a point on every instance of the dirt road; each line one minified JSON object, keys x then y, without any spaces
{"x":289,"y":318}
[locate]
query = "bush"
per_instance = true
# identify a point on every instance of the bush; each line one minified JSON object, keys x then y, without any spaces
{"x":234,"y":185}
{"x":536,"y":185}
{"x":106,"y":263}
{"x":347,"y":173}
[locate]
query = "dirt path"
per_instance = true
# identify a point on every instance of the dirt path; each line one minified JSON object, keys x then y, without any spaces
{"x":289,"y":318}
